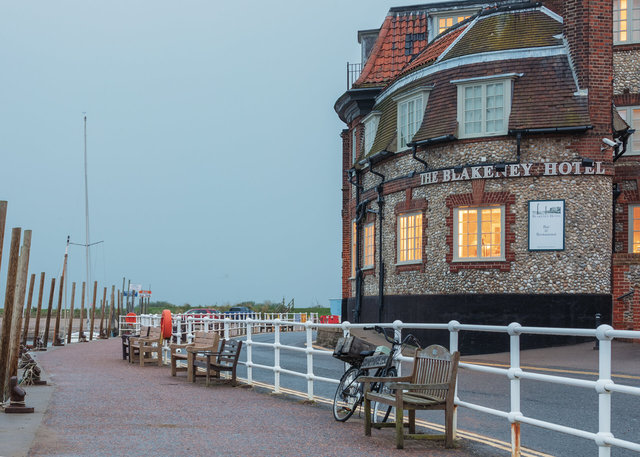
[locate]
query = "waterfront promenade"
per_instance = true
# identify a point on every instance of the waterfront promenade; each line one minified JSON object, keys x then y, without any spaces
{"x":101,"y":405}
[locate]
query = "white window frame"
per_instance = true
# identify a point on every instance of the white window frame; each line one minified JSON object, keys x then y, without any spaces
{"x":415,"y":102}
{"x":400,"y":237}
{"x":479,"y":257}
{"x":370,"y":122}
{"x":631,"y":231}
{"x":627,"y":113}
{"x":354,"y":245}
{"x":368,"y":251}
{"x":507,"y":87}
{"x":434,"y":26}
{"x":631,"y":21}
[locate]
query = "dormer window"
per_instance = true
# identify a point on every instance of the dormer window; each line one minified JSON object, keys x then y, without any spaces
{"x":370,"y":122}
{"x":411,"y":106}
{"x":484,"y":105}
{"x":440,"y":22}
{"x":626,"y":21}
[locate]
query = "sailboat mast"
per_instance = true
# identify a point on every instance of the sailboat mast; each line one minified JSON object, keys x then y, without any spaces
{"x":86,"y":206}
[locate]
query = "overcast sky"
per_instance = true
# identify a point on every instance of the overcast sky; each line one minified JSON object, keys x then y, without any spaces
{"x":213,"y":146}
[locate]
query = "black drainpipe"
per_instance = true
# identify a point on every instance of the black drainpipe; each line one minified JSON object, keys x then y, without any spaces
{"x":380,"y":202}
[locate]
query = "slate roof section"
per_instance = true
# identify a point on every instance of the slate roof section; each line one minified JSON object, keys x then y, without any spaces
{"x":402,"y":36}
{"x":499,"y":32}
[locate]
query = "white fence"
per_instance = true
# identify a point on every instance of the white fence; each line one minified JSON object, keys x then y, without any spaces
{"x":603,"y":387}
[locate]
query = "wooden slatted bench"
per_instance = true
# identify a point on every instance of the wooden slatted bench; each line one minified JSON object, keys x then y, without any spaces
{"x":143,"y":349}
{"x":203,"y":341}
{"x":224,"y":360}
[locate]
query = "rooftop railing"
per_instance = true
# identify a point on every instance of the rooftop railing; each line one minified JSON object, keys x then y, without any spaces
{"x":353,"y":73}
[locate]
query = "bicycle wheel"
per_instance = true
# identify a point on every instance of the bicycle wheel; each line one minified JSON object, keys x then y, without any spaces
{"x":348,"y":395}
{"x":379,"y":411}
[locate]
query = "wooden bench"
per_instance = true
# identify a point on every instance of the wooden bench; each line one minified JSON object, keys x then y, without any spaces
{"x":143,"y":349}
{"x":203,"y":341}
{"x":144,"y":331}
{"x":431,"y":385}
{"x":226,"y":359}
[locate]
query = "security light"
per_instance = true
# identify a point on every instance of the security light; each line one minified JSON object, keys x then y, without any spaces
{"x":609,"y":142}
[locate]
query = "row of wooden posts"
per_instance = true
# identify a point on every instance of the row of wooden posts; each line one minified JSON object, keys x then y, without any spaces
{"x":14,"y":334}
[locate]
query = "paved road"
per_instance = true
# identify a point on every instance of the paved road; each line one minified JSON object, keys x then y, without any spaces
{"x":569,"y":406}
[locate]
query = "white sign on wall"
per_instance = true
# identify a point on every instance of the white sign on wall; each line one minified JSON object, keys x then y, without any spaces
{"x":546,"y":225}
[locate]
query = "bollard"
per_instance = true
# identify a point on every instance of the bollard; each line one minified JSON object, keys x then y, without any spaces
{"x":36,"y":331}
{"x":596,"y":346}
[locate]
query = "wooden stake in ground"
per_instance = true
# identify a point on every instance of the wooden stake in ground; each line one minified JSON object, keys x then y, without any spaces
{"x":73,"y":297}
{"x":103,"y":304}
{"x":3,"y":221}
{"x":119,"y":311}
{"x":57,"y":340}
{"x":111,"y":311}
{"x":21,"y":289}
{"x":9,"y":300}
{"x":36,"y":330}
{"x":81,"y":336}
{"x":45,"y":337}
{"x":93,"y":309}
{"x":27,"y":313}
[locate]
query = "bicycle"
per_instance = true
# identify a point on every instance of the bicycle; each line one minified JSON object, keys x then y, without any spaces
{"x":349,"y":393}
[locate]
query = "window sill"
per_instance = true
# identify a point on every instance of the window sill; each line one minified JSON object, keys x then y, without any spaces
{"x":497,"y":264}
{"x":411,"y":266}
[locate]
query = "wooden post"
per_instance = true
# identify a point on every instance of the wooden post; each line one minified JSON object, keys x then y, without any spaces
{"x":111,"y":310}
{"x":3,"y":221}
{"x":104,"y":303}
{"x":36,"y":330}
{"x":81,"y":337}
{"x":129,"y":307}
{"x":73,"y":297}
{"x":21,"y":289}
{"x":27,"y":315}
{"x":9,"y":299}
{"x":93,"y":309}
{"x":57,"y":341}
{"x":45,"y":337}
{"x":119,"y":311}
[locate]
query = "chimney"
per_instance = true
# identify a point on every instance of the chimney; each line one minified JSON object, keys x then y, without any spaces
{"x":588,"y":27}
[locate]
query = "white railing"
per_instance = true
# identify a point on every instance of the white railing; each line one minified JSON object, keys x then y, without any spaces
{"x":604,"y":386}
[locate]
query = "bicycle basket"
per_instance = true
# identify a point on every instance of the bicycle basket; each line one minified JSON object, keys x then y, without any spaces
{"x":348,"y":349}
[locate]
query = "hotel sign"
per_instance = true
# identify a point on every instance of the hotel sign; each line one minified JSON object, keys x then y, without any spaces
{"x":511,"y":171}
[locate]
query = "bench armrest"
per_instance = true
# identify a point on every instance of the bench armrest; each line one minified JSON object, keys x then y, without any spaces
{"x":174,"y":346}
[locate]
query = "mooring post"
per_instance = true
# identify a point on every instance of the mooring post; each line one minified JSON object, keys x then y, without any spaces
{"x":47,"y":323}
{"x":111,"y":310}
{"x":119,"y":311}
{"x":21,"y":288}
{"x":27,"y":316}
{"x":57,"y":341}
{"x":93,"y":309}
{"x":102,"y":306}
{"x":36,"y":330}
{"x":73,"y":297}
{"x":81,"y":336}
{"x":9,"y":299}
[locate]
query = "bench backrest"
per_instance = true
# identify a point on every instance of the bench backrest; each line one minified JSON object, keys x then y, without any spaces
{"x":155,"y":333}
{"x":229,"y":352}
{"x":206,"y":341}
{"x":435,"y":365}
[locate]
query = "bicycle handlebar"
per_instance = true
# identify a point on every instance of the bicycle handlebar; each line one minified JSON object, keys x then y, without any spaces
{"x":392,"y":341}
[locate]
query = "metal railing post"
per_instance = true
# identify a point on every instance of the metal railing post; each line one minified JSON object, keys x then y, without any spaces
{"x":604,"y":396}
{"x":453,"y":347}
{"x":249,"y":343}
{"x":276,"y":357}
{"x":227,"y":323}
{"x":309,"y":331}
{"x":514,"y":373}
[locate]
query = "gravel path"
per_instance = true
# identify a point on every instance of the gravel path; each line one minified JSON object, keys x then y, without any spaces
{"x":104,"y":406}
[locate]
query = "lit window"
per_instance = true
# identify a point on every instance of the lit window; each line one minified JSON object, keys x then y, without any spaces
{"x":479,"y":233}
{"x":369,"y":238}
{"x":410,"y":238}
{"x":483,"y":107}
{"x":444,"y":22}
{"x":626,"y":21}
{"x":631,"y":115}
{"x":370,"y":122}
{"x":634,"y":228}
{"x":354,"y":252}
{"x":411,"y":108}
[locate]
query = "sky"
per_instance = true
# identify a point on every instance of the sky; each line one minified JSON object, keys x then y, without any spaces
{"x":214,"y":156}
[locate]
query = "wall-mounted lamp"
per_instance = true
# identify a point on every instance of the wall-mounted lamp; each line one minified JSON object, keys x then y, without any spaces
{"x":458,"y":168}
{"x":500,"y":167}
{"x":587,"y":163}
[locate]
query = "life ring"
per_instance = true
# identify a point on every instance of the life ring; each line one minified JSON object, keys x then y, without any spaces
{"x":166,"y":326}
{"x":130,"y":318}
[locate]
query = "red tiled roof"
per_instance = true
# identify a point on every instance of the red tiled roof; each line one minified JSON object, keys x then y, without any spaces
{"x":401,"y":37}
